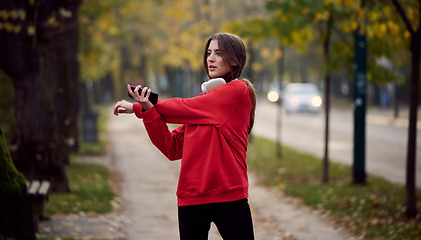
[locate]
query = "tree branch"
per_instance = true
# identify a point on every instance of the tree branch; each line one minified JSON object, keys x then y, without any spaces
{"x":403,"y":16}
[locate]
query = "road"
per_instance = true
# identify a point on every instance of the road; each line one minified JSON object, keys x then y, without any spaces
{"x":385,"y":143}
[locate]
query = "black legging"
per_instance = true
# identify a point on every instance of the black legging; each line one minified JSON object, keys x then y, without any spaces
{"x":233,"y":220}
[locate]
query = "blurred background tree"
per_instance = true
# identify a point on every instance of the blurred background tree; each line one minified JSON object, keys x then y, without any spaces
{"x":410,"y":14}
{"x":38,"y":42}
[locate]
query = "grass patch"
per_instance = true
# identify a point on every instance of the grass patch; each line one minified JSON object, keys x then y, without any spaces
{"x":373,"y":211}
{"x":91,"y":191}
{"x":92,"y":148}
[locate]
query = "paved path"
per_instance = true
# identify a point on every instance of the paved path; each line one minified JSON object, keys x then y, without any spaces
{"x":146,"y":207}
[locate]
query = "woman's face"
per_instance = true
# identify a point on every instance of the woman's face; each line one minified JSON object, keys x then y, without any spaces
{"x":216,"y":65}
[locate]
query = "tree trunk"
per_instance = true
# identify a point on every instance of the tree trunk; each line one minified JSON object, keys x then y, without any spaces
{"x":44,"y":71}
{"x":411,"y":198}
{"x":415,"y":48}
{"x":326,"y":47}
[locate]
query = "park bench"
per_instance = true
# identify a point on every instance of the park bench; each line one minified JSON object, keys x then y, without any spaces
{"x":38,"y":193}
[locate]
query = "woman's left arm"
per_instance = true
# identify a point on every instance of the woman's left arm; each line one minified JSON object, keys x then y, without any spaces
{"x":212,"y":108}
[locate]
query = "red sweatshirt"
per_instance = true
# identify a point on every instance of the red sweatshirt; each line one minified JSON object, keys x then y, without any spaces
{"x":212,"y":142}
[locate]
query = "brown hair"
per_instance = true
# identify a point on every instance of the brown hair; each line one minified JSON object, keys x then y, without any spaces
{"x":233,"y":52}
{"x":253,"y":103}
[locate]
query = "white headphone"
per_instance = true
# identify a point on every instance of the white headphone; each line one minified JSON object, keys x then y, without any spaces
{"x":212,"y":84}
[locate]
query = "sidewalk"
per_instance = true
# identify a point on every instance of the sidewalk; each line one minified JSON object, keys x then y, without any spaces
{"x":147,"y":186}
{"x":385,"y":117}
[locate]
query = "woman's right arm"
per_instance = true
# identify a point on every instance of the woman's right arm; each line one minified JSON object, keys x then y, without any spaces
{"x":170,"y":143}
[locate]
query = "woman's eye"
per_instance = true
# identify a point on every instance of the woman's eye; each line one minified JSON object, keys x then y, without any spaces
{"x":217,"y":53}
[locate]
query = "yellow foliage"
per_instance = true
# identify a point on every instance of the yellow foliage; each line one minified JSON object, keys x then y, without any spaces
{"x":113,"y":31}
{"x":349,"y":26}
{"x":373,"y":16}
{"x":361,"y":14}
{"x":296,"y":37}
{"x":17,"y":28}
{"x":52,"y":22}
{"x":393,"y":27}
{"x":382,"y":29}
{"x":406,"y":35}
{"x":361,"y":20}
{"x":5,"y":15}
{"x":304,"y":11}
{"x":327,"y":2}
{"x":354,"y":26}
{"x":65,"y":13}
{"x":284,"y":18}
{"x":102,"y":24}
{"x":265,"y":52}
{"x":350,"y":3}
{"x":300,"y":37}
{"x":256,"y":66}
{"x":31,"y":30}
{"x":278,"y":53}
{"x":97,"y":37}
{"x":411,"y":14}
{"x":386,"y":10}
{"x":379,"y":30}
{"x":369,"y":32}
{"x":321,"y":16}
{"x":179,"y":10}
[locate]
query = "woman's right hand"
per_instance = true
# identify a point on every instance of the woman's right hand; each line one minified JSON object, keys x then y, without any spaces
{"x":123,"y":107}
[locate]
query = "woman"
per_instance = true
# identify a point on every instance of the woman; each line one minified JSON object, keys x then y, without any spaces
{"x":212,"y":143}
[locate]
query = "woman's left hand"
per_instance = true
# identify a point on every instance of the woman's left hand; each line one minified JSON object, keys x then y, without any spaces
{"x":142,"y":98}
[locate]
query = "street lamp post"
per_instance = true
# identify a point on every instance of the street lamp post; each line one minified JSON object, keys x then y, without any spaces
{"x":360,"y":86}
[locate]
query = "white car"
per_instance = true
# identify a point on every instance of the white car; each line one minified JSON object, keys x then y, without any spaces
{"x":301,"y":97}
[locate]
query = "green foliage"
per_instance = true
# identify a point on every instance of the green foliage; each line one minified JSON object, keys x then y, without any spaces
{"x":299,"y":23}
{"x":381,"y":75}
{"x":11,"y":180}
{"x":257,"y":29}
{"x":91,"y":191}
{"x":374,"y":211}
{"x":11,"y":21}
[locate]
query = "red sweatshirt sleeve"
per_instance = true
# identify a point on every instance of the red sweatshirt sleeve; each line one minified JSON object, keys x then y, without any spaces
{"x":212,"y":108}
{"x":169,"y":143}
